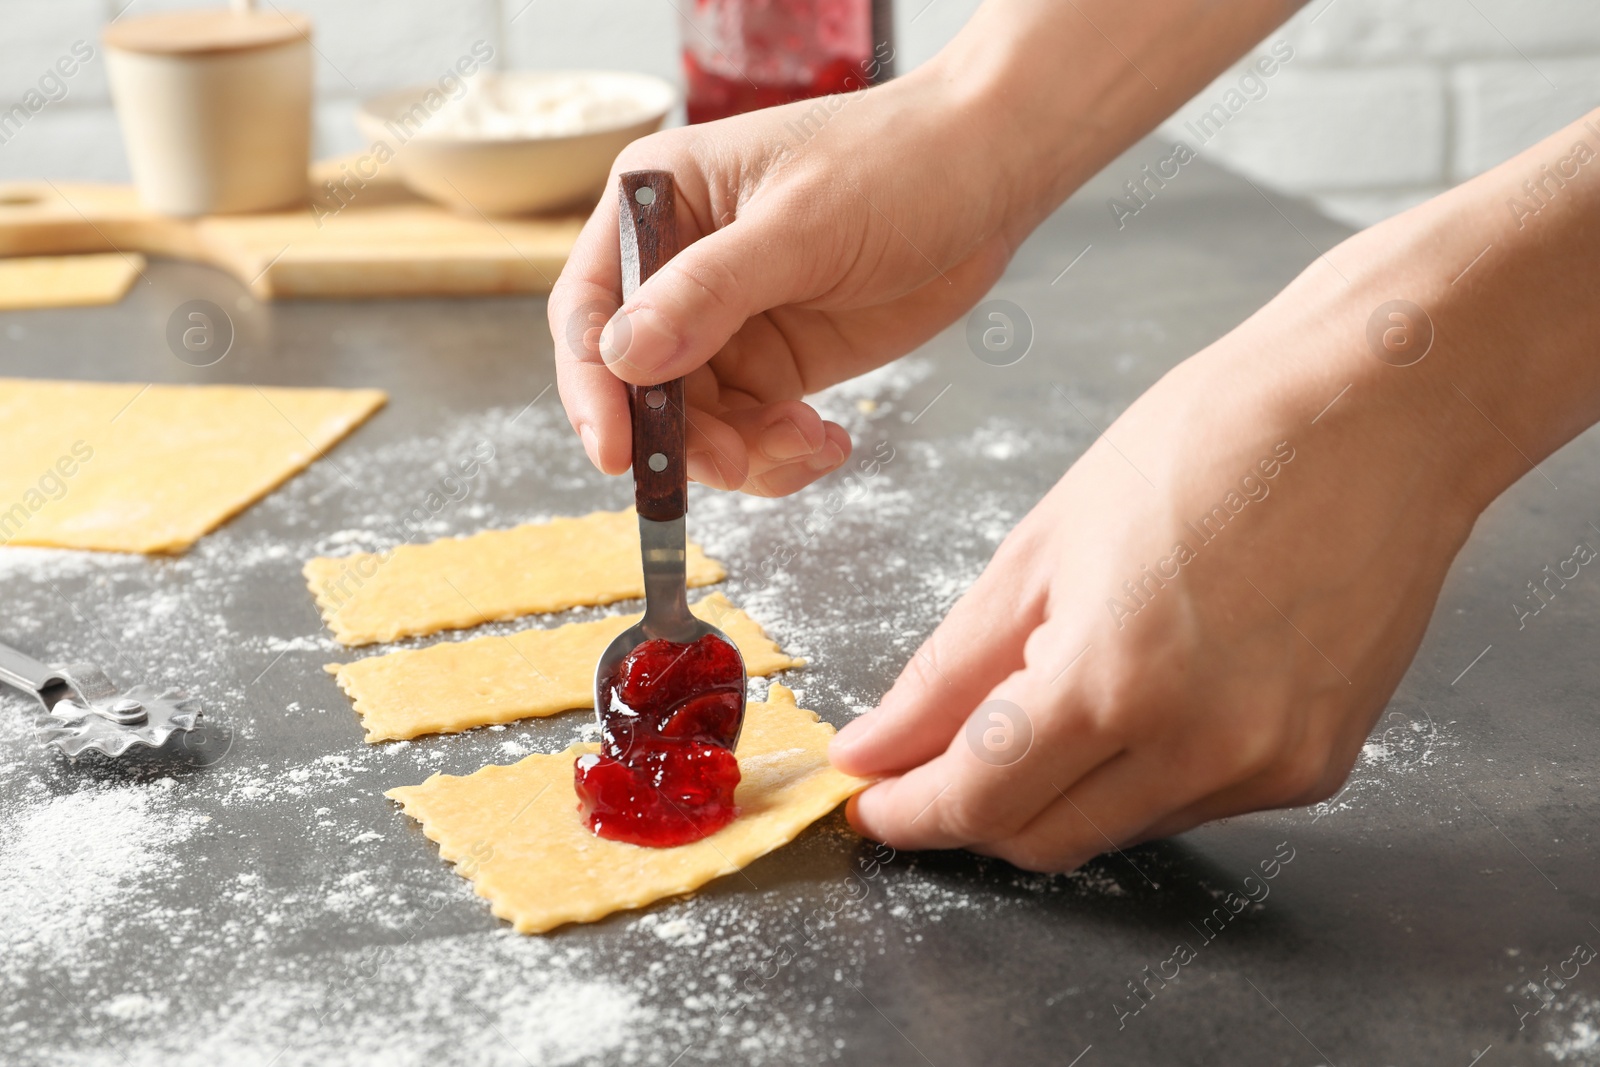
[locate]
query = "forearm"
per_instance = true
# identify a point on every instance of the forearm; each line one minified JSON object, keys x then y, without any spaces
{"x":1059,"y":88}
{"x":1511,"y":295}
{"x":1518,"y":332}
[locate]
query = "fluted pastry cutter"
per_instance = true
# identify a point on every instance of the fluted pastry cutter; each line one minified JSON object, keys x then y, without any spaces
{"x":84,"y":711}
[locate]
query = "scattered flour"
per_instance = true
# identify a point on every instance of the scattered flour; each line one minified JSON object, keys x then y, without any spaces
{"x":131,"y":1007}
{"x":273,"y":907}
{"x":72,"y":863}
{"x":322,"y":929}
{"x":1575,"y":1022}
{"x":1402,"y":747}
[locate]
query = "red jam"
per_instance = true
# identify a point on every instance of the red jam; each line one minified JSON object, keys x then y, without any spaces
{"x":715,"y":96}
{"x":665,"y":773}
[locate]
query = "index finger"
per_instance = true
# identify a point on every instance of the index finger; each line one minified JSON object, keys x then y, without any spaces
{"x":1002,"y":768}
{"x":584,"y":298}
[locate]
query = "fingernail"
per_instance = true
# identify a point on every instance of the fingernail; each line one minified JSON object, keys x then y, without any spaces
{"x":783,"y":441}
{"x":828,"y":458}
{"x":852,"y":736}
{"x":863,"y":809}
{"x":591,"y":443}
{"x":640,"y":339}
{"x":614,"y":336}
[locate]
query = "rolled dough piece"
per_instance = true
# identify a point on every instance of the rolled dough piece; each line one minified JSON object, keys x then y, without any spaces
{"x":151,"y":468}
{"x":66,"y":281}
{"x":517,"y":834}
{"x":458,"y":582}
{"x":457,"y":685}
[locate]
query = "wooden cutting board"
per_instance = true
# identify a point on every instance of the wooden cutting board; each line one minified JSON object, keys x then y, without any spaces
{"x":372,"y":240}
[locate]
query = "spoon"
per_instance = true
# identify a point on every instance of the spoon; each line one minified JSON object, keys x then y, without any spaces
{"x":648,"y":229}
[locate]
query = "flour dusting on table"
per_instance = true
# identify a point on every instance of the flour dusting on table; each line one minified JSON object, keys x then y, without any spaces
{"x":262,"y":902}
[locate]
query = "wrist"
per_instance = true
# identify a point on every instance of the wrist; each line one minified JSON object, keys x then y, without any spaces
{"x":1372,"y":422}
{"x":1328,"y":364}
{"x":1057,"y":91}
{"x":1511,"y":374}
{"x":1446,"y":347}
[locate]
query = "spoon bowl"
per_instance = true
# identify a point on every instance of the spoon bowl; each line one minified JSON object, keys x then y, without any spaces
{"x":684,"y":630}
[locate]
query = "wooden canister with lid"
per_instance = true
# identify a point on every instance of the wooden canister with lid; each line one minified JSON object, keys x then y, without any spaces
{"x":215,"y":107}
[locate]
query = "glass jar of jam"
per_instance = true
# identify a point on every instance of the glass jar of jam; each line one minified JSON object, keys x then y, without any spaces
{"x":741,"y":55}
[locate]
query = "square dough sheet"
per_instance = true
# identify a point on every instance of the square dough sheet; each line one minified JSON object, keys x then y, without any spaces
{"x":458,"y":685}
{"x":67,"y":281}
{"x":151,"y":468}
{"x":516,"y":831}
{"x":457,"y":582}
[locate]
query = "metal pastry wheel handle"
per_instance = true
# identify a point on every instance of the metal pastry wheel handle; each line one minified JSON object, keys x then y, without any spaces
{"x":84,"y":710}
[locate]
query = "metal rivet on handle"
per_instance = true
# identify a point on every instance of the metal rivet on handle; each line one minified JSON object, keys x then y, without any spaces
{"x":655,"y":398}
{"x":658,"y":462}
{"x":645,"y":195}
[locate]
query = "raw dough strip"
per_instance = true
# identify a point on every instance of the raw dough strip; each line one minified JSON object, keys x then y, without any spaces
{"x":517,"y":834}
{"x":67,"y":281}
{"x":132,"y":467}
{"x":457,"y":582}
{"x":457,"y":685}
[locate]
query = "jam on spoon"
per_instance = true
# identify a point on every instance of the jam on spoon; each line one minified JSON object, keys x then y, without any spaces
{"x":665,"y":773}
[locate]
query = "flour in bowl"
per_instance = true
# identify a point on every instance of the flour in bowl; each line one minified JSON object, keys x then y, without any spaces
{"x":556,"y":105}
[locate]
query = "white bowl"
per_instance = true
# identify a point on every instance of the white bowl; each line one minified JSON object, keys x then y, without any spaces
{"x":518,"y":142}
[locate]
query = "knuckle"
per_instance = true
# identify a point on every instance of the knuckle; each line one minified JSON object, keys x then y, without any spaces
{"x":650,"y":151}
{"x":1021,"y":546}
{"x":631,"y":157}
{"x":1298,"y":776}
{"x":1124,"y":702}
{"x":1256,"y":747}
{"x":1125,"y":717}
{"x":1251,"y":755}
{"x":965,"y":817}
{"x":922,"y":669}
{"x":1326,"y":783}
{"x":712,"y":277}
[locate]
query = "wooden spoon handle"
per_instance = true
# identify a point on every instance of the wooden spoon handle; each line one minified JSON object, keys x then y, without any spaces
{"x":649,"y":236}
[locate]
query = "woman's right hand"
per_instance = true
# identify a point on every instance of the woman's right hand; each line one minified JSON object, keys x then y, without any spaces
{"x":819,"y":240}
{"x":826,"y":237}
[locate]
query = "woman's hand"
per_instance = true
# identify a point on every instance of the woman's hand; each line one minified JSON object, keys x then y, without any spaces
{"x":1204,"y":616}
{"x":1207,"y":614}
{"x":819,"y":240}
{"x":830,"y":236}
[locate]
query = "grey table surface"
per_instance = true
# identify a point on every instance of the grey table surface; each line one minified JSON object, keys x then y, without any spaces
{"x":256,"y":900}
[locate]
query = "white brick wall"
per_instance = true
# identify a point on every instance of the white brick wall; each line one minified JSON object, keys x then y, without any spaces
{"x":35,"y":33}
{"x":593,"y":33}
{"x":1388,"y":102}
{"x":1283,"y":137}
{"x":1505,"y":105}
{"x":1385,"y":102}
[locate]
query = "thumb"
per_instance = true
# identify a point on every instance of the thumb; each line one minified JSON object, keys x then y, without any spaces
{"x":685,"y":312}
{"x":979,"y":644}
